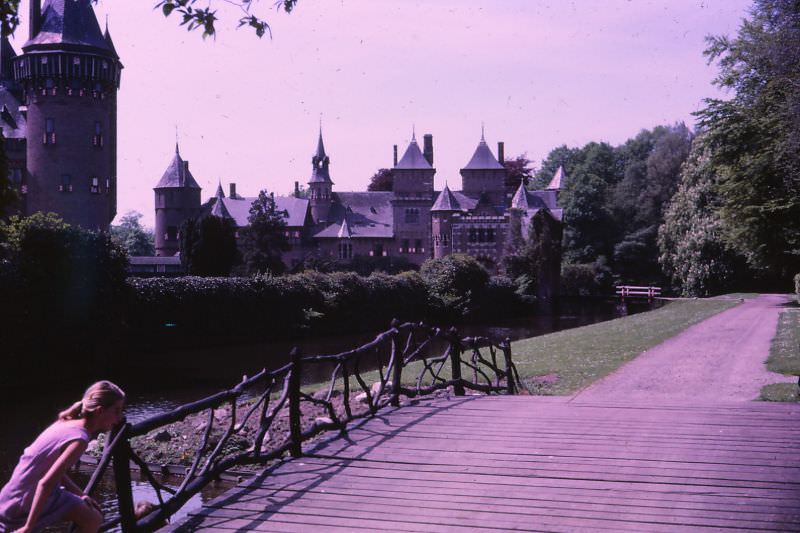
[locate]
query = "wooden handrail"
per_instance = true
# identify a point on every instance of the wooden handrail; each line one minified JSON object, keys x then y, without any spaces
{"x":407,"y":344}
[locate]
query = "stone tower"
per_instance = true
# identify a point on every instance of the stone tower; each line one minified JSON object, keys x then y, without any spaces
{"x":177,"y":199}
{"x":445,"y":206}
{"x":484,"y":175}
{"x":320,"y":186}
{"x":413,"y":197}
{"x":69,"y":73}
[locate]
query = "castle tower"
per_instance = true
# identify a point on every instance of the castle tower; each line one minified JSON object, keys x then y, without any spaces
{"x":413,"y":196}
{"x":320,"y":186}
{"x":177,"y":199}
{"x":69,"y":73}
{"x":484,"y":174}
{"x":442,"y":212}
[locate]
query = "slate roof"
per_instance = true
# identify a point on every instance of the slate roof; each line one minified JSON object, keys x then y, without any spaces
{"x":413,"y":158}
{"x":109,"y":41}
{"x":218,"y":208}
{"x":320,"y":172}
{"x":559,"y":179}
{"x":238,"y":209}
{"x":483,"y":158}
{"x":12,"y":120}
{"x":446,"y":201}
{"x":177,"y":174}
{"x":526,"y":200}
{"x":69,"y":22}
{"x":365,"y":214}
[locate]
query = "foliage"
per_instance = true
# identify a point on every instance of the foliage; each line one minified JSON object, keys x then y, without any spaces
{"x":194,"y":17}
{"x":587,"y":219}
{"x":454,"y":281}
{"x":784,"y":358}
{"x":797,"y":286}
{"x":518,"y":170}
{"x":586,"y":279}
{"x":692,"y":251}
{"x":382,"y":180}
{"x":264,"y":240}
{"x":132,"y":237}
{"x":754,"y":137}
{"x":208,"y":246}
{"x":534,"y":263}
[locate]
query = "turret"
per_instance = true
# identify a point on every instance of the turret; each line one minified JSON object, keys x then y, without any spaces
{"x":177,"y":199}
{"x":484,"y":174}
{"x":69,"y":74}
{"x":320,"y":186}
{"x":442,"y":211}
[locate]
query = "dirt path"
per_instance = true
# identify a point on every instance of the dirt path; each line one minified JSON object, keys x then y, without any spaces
{"x":720,"y":359}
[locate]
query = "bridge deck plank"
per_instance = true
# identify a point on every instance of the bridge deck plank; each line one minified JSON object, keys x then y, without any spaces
{"x":528,"y":464}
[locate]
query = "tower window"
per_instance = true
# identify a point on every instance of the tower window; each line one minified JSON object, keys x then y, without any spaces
{"x":95,"y":187}
{"x":345,"y":250}
{"x":97,"y":138}
{"x":108,"y":184}
{"x":66,"y":183}
{"x":404,"y":246}
{"x":172,"y":233}
{"x":490,"y":234}
{"x":418,"y":246}
{"x":473,"y":235}
{"x":49,"y":136}
{"x":412,"y":215}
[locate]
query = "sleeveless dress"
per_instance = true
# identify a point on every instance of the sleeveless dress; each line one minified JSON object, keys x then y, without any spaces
{"x":17,"y":496}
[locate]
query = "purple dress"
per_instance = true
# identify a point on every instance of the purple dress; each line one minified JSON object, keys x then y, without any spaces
{"x":17,"y":496}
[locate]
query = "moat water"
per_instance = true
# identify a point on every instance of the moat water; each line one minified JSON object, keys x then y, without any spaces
{"x":154,"y":391}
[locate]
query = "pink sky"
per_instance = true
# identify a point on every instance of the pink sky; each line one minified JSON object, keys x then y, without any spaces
{"x":538,"y":74}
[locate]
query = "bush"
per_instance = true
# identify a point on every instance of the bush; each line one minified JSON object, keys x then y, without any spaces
{"x":797,"y":286}
{"x":455,"y":282}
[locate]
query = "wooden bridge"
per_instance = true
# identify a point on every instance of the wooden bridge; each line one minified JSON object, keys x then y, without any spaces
{"x":533,"y":464}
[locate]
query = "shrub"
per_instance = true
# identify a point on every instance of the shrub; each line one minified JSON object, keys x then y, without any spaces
{"x":454,"y":282}
{"x":797,"y":286}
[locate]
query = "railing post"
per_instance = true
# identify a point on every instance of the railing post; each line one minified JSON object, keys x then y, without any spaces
{"x":511,"y":386}
{"x":295,"y":429}
{"x":455,"y":362}
{"x":397,"y":371}
{"x":122,"y":480}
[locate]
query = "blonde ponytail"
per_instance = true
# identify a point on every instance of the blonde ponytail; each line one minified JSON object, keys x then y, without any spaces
{"x":72,"y":412}
{"x":100,"y":394}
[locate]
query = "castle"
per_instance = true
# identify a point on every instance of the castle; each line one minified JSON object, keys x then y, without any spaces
{"x":412,"y":221}
{"x":58,"y":111}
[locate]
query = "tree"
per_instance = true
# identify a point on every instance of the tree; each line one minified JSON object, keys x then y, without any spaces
{"x":754,"y":138}
{"x":692,"y":251}
{"x":264,"y":240}
{"x":589,"y":227}
{"x":208,"y":246}
{"x":132,"y":237}
{"x":518,"y":170}
{"x":7,"y":194}
{"x":382,"y":180}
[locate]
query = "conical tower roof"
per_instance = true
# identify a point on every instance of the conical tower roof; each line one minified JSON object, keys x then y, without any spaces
{"x":413,"y":158}
{"x":109,"y":41}
{"x":177,"y":174}
{"x":69,"y":23}
{"x":344,"y":231}
{"x":220,"y":193}
{"x":446,"y":201}
{"x":483,"y":158}
{"x":559,"y":179}
{"x":218,"y":209}
{"x":320,"y":161}
{"x":520,"y":199}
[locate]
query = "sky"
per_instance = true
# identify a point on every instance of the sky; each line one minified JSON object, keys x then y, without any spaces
{"x":537,"y":74}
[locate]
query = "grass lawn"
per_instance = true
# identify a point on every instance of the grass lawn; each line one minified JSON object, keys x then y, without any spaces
{"x":784,"y":358}
{"x":567,"y":361}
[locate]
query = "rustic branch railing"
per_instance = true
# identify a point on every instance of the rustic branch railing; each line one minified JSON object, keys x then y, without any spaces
{"x":278,"y":394}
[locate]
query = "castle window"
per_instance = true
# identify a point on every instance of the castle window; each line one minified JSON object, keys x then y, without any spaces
{"x":490,"y":234}
{"x":66,"y":183}
{"x":345,"y":250}
{"x":95,"y":187}
{"x":473,"y":235}
{"x":444,"y":239}
{"x":108,"y":184}
{"x":412,"y":215}
{"x":418,"y":246}
{"x":172,"y":233}
{"x":97,"y":138}
{"x":49,"y":136}
{"x":481,"y":235}
{"x":378,"y":250}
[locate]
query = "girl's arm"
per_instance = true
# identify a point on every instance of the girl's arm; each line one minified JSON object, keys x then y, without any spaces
{"x":46,"y":486}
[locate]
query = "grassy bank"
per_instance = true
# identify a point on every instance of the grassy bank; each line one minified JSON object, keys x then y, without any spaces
{"x":784,"y":358}
{"x":566,"y":361}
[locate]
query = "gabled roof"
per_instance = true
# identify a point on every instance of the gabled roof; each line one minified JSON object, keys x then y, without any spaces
{"x":69,"y":22}
{"x":446,"y":201}
{"x":344,"y":231}
{"x":238,"y":209}
{"x":367,"y":215}
{"x":218,"y":209}
{"x":177,"y":174}
{"x":559,"y":179}
{"x":12,"y":120}
{"x":413,"y":158}
{"x":483,"y":158}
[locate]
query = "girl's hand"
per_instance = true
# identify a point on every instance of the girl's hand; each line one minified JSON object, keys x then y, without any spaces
{"x":90,"y":502}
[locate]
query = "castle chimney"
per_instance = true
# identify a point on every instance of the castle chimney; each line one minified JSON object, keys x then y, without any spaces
{"x":395,"y":156}
{"x":427,"y":143}
{"x":232,"y":189}
{"x":297,"y":189}
{"x":501,"y":152}
{"x":35,"y":18}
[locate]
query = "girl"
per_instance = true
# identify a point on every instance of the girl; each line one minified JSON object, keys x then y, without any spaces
{"x":39,"y":492}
